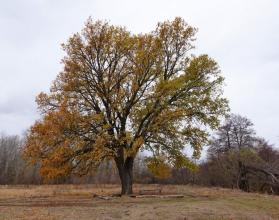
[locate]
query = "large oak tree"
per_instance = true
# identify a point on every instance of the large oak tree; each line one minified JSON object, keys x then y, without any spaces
{"x":120,"y":93}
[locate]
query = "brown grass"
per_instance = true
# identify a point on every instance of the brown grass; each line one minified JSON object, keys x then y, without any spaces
{"x":76,"y":202}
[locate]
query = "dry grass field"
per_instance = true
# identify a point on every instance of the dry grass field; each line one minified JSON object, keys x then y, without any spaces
{"x":76,"y":202}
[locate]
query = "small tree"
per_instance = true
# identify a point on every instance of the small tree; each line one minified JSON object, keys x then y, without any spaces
{"x":229,"y":149}
{"x":237,"y":157}
{"x":119,"y":93}
{"x":236,"y":133}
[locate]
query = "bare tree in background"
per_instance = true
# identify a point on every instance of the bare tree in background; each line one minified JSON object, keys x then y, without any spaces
{"x":240,"y":159}
{"x":237,"y":132}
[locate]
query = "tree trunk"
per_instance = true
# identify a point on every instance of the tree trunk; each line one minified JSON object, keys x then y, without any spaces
{"x":242,"y":181}
{"x":125,"y":170}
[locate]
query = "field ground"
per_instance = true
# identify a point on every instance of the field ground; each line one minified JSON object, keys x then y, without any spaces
{"x":76,"y":202}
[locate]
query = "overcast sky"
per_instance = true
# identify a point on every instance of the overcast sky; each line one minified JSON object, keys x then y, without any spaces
{"x":242,"y":35}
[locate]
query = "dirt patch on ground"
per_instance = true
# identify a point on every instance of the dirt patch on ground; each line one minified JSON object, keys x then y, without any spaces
{"x":77,"y":202}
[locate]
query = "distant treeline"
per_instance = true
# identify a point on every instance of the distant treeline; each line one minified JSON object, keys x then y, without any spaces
{"x":236,"y":158}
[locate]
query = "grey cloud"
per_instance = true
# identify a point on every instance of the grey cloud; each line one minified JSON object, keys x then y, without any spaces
{"x":241,"y":35}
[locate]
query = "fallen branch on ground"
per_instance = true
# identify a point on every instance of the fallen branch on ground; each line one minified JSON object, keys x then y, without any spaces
{"x":102,"y":197}
{"x":150,"y":191}
{"x":157,"y":196}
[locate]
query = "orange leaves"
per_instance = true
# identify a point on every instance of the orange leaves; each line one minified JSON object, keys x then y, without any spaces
{"x":56,"y":164}
{"x":57,"y":142}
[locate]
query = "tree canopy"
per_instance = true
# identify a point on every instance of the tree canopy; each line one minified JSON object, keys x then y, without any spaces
{"x":121,"y":92}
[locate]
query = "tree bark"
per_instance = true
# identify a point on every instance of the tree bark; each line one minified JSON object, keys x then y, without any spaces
{"x":125,"y":170}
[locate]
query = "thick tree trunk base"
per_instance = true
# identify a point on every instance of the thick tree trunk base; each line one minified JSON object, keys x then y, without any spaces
{"x":125,"y":170}
{"x":126,"y":189}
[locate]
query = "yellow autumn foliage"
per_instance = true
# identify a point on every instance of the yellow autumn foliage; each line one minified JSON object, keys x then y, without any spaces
{"x":121,"y":92}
